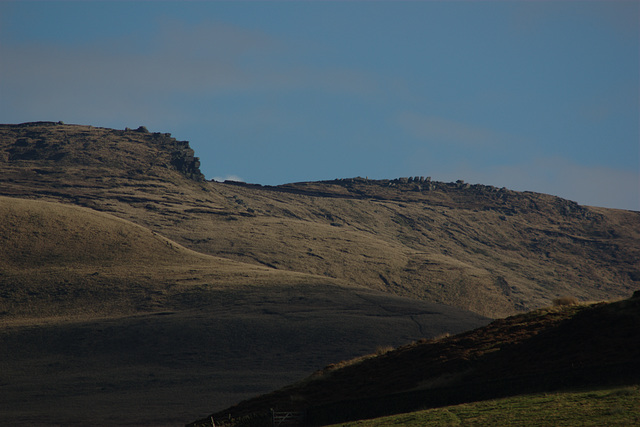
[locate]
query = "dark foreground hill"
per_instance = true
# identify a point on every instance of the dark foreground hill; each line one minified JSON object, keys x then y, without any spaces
{"x":492,"y":251}
{"x":561,"y":348}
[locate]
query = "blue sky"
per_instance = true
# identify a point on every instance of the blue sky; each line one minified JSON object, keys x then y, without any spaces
{"x":540,"y":96}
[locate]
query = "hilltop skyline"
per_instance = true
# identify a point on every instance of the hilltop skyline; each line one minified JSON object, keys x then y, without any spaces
{"x":525,"y":95}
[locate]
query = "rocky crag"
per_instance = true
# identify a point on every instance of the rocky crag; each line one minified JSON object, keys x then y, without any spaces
{"x":54,"y":146}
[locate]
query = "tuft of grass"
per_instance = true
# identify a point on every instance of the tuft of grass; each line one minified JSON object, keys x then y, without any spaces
{"x":380,"y":351}
{"x":384,"y":350}
{"x":442,"y":336}
{"x":564,"y":301}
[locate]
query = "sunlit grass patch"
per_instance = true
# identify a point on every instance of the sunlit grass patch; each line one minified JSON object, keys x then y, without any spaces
{"x":610,"y":407}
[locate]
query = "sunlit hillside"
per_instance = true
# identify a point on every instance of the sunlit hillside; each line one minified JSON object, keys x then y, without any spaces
{"x":492,"y":251}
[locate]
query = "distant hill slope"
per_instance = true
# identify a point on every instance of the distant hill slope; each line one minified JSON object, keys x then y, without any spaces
{"x":493,"y":251}
{"x":554,"y":349}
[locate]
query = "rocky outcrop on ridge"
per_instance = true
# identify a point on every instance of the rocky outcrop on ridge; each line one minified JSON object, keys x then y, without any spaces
{"x":55,"y":145}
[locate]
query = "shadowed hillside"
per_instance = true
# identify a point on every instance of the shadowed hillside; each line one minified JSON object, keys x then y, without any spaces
{"x":493,"y":251}
{"x":546,"y":350}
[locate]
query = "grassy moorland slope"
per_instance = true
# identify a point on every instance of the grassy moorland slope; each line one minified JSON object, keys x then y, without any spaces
{"x":65,"y":261}
{"x":546,"y":350}
{"x":493,"y":251}
{"x":133,"y":291}
{"x":104,"y":322}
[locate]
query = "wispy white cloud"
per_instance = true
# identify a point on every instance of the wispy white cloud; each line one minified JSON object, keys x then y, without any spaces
{"x":585,"y":184}
{"x":111,"y":79}
{"x":439,"y":130}
{"x":68,"y":71}
{"x":618,"y":100}
{"x":619,"y":17}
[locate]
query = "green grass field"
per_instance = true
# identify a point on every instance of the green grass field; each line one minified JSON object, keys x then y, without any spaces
{"x":607,"y":407}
